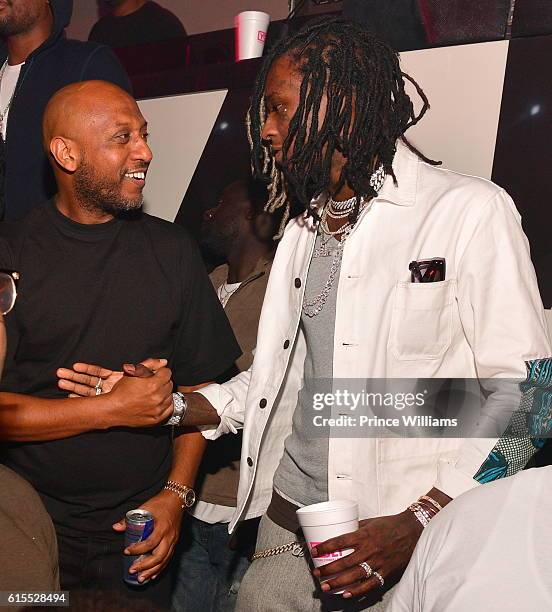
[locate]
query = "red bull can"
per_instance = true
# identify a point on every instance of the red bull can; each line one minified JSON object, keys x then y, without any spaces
{"x":139,"y":526}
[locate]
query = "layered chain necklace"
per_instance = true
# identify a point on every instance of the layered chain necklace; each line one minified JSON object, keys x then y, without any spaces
{"x":337,"y":211}
{"x":4,"y":112}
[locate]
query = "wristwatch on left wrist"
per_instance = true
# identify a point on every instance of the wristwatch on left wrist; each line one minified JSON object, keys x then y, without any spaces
{"x":187,"y":494}
{"x":180,"y":405}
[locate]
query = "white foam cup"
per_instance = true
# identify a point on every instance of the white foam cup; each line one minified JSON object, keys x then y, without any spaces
{"x":326,"y":520}
{"x":251,"y":28}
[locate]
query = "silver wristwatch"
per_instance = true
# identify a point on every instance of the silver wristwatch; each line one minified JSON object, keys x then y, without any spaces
{"x":180,"y":405}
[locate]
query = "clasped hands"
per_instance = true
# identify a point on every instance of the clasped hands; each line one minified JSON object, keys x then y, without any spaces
{"x":137,"y":398}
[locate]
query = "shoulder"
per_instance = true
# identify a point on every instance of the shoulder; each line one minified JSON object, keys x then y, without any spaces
{"x":12,"y":232}
{"x":170,"y":234}
{"x":19,"y":489}
{"x":103,"y":22}
{"x":86,"y":60}
{"x":458,"y":188}
{"x":78,"y":48}
{"x":161,"y":11}
{"x":164,"y":17}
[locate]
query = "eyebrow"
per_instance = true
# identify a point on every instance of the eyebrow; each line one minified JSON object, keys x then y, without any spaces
{"x":127,"y":125}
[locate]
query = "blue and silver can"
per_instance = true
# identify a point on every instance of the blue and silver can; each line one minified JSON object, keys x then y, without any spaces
{"x":139,"y":526}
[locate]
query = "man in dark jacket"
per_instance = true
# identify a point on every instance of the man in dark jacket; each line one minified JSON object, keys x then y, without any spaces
{"x":36,"y":61}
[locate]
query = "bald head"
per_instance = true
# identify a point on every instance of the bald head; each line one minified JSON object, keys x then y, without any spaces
{"x":79,"y":106}
{"x":96,"y":138}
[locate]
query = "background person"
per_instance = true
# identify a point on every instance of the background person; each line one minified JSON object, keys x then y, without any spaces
{"x":36,"y":60}
{"x":134,"y":22}
{"x":28,"y":556}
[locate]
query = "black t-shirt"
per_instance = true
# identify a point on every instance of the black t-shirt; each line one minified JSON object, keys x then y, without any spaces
{"x":150,"y":23}
{"x":108,"y":294}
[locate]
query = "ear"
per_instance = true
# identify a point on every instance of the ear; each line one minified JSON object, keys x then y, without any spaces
{"x":66,"y":153}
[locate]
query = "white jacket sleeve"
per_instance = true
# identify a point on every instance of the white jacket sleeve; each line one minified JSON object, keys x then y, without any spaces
{"x":503,"y":319}
{"x":229,"y":401}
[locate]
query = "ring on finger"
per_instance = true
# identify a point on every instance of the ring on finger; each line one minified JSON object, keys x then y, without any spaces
{"x":98,"y":386}
{"x":379,"y":577}
{"x":367,"y":569}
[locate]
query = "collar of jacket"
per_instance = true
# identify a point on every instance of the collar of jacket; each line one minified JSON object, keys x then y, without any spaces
{"x":405,"y":166}
{"x":220,"y":274}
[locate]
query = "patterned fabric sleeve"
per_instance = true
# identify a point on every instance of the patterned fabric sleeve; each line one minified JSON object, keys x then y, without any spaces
{"x":529,"y":426}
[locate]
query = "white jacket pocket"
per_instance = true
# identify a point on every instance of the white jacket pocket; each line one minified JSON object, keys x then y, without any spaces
{"x":421,"y":325}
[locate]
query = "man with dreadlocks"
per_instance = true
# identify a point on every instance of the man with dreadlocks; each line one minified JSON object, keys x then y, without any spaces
{"x":327,"y":122}
{"x":327,"y":128}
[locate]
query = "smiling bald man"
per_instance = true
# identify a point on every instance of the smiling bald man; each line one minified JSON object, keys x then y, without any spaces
{"x":103,"y":282}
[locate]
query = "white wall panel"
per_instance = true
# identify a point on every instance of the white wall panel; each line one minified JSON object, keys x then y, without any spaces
{"x":464,"y":87}
{"x":179,"y":127}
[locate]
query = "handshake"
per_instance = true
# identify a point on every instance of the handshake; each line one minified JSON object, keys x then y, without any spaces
{"x":139,"y":396}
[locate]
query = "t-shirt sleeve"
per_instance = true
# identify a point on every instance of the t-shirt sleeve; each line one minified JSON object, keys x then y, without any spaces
{"x":206,"y":345}
{"x":103,"y":65}
{"x":173,"y":27}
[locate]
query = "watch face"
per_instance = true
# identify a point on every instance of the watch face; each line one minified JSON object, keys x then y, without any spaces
{"x":190,"y":497}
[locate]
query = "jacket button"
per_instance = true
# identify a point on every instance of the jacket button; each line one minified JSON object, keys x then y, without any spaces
{"x":262,"y":403}
{"x":286,"y":344}
{"x":297,"y":282}
{"x":249,"y":462}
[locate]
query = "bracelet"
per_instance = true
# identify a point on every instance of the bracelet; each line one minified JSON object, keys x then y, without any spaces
{"x":427,"y":507}
{"x":420,"y":513}
{"x":431,"y":501}
{"x":419,"y":516}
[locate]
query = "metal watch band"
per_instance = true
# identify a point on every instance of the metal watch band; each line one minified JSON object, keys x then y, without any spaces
{"x":187,"y":494}
{"x":180,"y":405}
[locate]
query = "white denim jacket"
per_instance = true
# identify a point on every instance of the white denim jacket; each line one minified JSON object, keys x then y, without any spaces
{"x":484,"y":321}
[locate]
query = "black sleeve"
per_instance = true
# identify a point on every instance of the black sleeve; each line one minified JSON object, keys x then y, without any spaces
{"x":206,"y":345}
{"x":102,"y":64}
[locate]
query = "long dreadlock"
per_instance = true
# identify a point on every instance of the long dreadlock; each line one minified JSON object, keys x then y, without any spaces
{"x":367,"y":111}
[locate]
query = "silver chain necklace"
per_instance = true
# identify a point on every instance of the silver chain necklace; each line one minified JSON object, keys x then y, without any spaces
{"x":3,"y":113}
{"x":313,"y":307}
